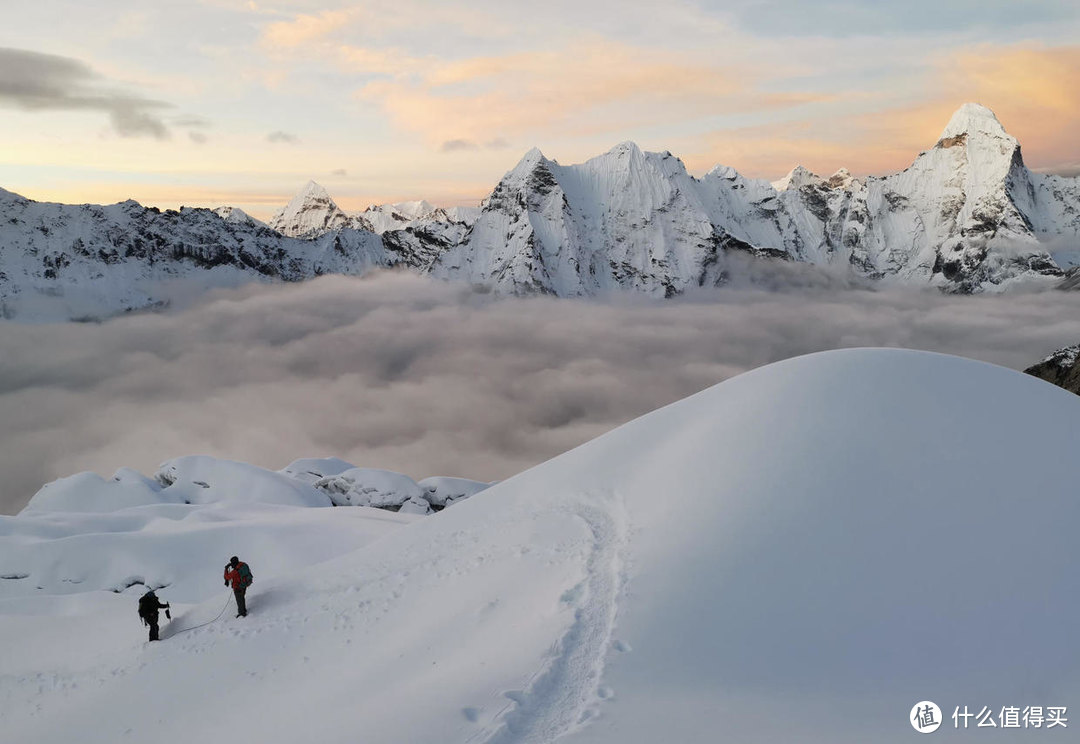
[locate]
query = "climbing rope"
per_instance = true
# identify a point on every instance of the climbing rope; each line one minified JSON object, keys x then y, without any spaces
{"x":200,"y":625}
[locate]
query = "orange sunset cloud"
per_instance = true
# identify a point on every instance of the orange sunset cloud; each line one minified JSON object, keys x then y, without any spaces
{"x":527,"y":93}
{"x":1029,"y":89}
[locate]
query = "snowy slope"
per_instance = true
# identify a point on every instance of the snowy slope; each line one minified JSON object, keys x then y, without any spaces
{"x":800,"y":553}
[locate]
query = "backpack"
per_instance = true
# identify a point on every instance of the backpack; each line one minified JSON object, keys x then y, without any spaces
{"x":246,"y":577}
{"x":148,"y":605}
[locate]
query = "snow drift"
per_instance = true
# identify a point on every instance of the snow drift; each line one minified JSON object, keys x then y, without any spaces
{"x":801,"y":553}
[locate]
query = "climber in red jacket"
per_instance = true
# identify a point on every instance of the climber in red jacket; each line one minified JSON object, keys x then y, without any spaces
{"x":240,"y":575}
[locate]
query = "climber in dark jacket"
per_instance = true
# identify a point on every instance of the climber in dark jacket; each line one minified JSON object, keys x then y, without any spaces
{"x":238,"y":573}
{"x":148,"y":611}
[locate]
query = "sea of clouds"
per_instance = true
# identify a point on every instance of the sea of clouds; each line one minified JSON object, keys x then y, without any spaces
{"x":401,"y":372}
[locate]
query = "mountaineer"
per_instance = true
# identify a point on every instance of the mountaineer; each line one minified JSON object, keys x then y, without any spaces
{"x":148,"y":611}
{"x":238,"y":573}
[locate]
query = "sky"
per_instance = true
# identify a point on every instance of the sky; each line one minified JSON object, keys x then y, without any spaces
{"x":427,"y":378}
{"x":241,"y":102}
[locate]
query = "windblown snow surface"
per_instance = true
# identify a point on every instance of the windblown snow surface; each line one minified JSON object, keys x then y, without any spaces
{"x":800,"y":553}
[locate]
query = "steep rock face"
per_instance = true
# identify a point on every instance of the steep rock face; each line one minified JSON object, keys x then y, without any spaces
{"x":966,"y":216}
{"x":1062,"y":368}
{"x":626,"y":219}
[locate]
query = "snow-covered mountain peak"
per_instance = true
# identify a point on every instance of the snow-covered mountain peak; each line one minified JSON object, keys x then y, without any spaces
{"x":627,"y":149}
{"x":627,"y":158}
{"x":530,"y":160}
{"x":382,"y":218}
{"x":725,"y":172}
{"x":797,"y":178}
{"x":310,"y":213}
{"x":235,"y":215}
{"x":414,"y":209}
{"x":974,"y":119}
{"x":312,"y":190}
{"x":842,"y":179}
{"x":311,"y":194}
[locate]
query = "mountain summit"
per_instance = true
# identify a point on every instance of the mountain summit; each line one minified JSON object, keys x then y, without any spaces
{"x":972,"y":119}
{"x":309,"y":214}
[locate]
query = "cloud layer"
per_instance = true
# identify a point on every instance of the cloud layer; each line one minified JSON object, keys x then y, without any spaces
{"x":400,"y":372}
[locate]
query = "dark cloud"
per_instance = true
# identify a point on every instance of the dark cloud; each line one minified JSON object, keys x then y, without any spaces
{"x":402,"y":372}
{"x":197,"y":137}
{"x":282,"y":138}
{"x":339,"y":172}
{"x":42,"y":82}
{"x":457,"y":145}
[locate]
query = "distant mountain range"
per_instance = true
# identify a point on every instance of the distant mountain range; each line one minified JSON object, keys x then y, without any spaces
{"x":966,"y":216}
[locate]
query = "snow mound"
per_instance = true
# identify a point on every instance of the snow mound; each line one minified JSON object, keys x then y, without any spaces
{"x":441,"y":491}
{"x":800,"y":553}
{"x":311,"y":469}
{"x":89,"y":492}
{"x":383,"y":489}
{"x":203,"y":480}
